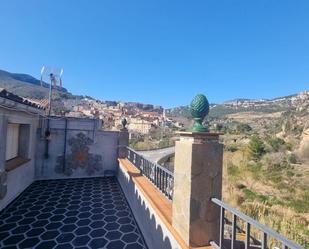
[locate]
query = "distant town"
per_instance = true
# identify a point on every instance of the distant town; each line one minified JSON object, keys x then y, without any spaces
{"x":141,"y":118}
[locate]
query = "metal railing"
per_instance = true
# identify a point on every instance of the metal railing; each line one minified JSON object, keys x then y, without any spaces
{"x":265,"y":232}
{"x":162,"y":178}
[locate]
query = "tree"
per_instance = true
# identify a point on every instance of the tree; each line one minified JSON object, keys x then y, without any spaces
{"x":243,"y":128}
{"x":276,"y":143}
{"x":256,"y":148}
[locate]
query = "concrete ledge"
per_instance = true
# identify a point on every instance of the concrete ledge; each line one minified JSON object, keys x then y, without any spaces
{"x":152,"y":211}
{"x":17,"y":181}
{"x":15,"y":163}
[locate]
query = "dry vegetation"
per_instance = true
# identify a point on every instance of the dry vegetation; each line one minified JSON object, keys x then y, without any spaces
{"x":270,"y":190}
{"x":266,"y":163}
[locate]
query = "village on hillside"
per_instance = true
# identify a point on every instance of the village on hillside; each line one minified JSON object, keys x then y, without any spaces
{"x":141,"y":118}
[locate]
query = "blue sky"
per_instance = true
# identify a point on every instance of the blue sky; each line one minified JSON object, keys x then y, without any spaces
{"x":161,"y":51}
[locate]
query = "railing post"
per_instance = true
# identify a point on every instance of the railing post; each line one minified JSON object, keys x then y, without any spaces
{"x":123,"y":142}
{"x":247,"y":241}
{"x":197,"y":178}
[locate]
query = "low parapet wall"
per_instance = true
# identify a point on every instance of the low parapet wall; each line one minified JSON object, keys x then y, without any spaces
{"x":76,"y":148}
{"x":151,"y":210}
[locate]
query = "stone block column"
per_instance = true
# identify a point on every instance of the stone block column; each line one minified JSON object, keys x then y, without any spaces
{"x":197,"y":178}
{"x":123,"y":142}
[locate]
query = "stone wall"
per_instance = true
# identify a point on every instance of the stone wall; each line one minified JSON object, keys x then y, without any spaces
{"x":76,"y":148}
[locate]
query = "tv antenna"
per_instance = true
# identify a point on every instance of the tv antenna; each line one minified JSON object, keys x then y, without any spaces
{"x":54,"y":77}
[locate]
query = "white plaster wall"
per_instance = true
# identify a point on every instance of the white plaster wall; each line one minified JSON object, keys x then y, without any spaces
{"x":17,"y":181}
{"x":151,"y":225}
{"x":21,"y":177}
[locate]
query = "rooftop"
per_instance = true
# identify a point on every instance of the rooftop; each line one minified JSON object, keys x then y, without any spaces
{"x":8,"y":95}
{"x":87,"y":213}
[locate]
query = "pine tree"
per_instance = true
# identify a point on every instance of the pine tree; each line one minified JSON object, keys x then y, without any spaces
{"x":256,"y":148}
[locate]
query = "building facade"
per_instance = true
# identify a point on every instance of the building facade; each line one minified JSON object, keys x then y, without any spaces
{"x":19,"y":120}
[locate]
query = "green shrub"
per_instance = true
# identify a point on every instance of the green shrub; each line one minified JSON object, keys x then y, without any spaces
{"x":232,"y":147}
{"x":232,"y":169}
{"x":256,"y":148}
{"x":290,"y":173}
{"x":243,"y":128}
{"x":276,"y":143}
{"x":292,"y":158}
{"x":289,"y":146}
{"x":275,"y":161}
{"x":250,"y":195}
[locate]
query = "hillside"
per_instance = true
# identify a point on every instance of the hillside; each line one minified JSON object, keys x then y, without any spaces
{"x":27,"y":86}
{"x":279,"y":104}
{"x":266,"y":159}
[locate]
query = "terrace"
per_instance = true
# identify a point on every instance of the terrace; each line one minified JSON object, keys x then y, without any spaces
{"x":78,"y":186}
{"x":91,"y":212}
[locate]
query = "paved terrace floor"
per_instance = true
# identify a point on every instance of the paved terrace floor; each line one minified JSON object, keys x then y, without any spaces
{"x":77,"y":213}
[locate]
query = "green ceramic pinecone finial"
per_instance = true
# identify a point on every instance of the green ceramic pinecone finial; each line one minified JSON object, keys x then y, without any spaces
{"x":124,"y":123}
{"x":199,"y":108}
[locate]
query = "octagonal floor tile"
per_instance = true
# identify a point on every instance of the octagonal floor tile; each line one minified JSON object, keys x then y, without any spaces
{"x":74,"y":213}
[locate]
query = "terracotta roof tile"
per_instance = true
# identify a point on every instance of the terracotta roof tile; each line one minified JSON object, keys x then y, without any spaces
{"x":8,"y":95}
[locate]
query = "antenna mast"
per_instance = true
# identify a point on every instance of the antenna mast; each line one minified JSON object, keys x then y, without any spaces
{"x":54,"y":75}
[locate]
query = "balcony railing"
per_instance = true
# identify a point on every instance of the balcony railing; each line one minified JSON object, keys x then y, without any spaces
{"x":266,"y":233}
{"x":162,"y":178}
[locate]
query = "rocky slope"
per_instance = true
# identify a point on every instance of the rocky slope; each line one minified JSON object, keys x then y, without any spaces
{"x":298,"y":102}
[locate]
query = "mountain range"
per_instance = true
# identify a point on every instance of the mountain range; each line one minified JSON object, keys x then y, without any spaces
{"x":299,"y":102}
{"x":28,"y":86}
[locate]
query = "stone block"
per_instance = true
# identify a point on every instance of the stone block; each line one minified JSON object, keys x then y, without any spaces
{"x":197,"y":178}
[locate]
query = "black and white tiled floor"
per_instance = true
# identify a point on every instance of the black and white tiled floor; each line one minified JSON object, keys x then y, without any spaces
{"x":64,"y":214}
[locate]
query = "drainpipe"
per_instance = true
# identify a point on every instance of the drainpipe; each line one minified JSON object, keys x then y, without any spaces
{"x":47,"y":131}
{"x":47,"y":138}
{"x":65,"y":145}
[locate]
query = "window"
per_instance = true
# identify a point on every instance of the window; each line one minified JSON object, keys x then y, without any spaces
{"x":12,"y":141}
{"x":17,"y":145}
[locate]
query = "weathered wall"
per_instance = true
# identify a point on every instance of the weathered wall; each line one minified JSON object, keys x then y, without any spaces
{"x":77,"y":148}
{"x":155,"y":232}
{"x":16,"y":180}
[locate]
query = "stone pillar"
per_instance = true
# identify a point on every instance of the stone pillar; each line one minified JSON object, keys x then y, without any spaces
{"x":197,"y":178}
{"x":123,"y":142}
